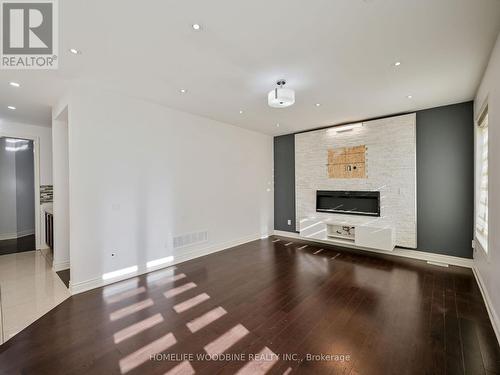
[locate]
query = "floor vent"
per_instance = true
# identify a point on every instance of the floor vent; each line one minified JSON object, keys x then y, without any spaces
{"x":190,"y":239}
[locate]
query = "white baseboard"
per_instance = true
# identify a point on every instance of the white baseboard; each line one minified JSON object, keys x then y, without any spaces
{"x":399,"y":252}
{"x":8,"y":236}
{"x":12,"y":236}
{"x":60,"y":266}
{"x":84,"y":286}
{"x":495,"y":321}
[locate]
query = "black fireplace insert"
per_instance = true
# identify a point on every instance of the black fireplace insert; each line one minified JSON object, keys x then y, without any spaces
{"x":366,"y":203}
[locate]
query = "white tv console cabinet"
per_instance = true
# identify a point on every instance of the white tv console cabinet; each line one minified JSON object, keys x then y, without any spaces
{"x":342,"y":232}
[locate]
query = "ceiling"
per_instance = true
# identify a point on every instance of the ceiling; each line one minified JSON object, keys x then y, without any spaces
{"x":338,"y":53}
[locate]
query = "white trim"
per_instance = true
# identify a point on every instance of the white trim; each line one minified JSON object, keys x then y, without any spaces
{"x":481,"y":110}
{"x":60,"y":266}
{"x":12,"y":236}
{"x":495,"y":321}
{"x":142,"y":269}
{"x":478,"y":244}
{"x":8,"y":236}
{"x":26,"y":232}
{"x":400,"y":252}
{"x":36,"y":167}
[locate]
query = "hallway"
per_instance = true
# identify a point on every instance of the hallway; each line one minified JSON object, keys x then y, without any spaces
{"x":29,"y":288}
{"x":18,"y":245}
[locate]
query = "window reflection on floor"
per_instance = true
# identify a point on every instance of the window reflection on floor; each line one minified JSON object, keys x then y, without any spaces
{"x":122,"y":291}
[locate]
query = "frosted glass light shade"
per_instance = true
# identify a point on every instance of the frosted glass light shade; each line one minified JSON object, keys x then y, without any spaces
{"x":281,"y":98}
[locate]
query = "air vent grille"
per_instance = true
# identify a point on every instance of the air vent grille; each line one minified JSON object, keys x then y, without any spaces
{"x":190,"y":239}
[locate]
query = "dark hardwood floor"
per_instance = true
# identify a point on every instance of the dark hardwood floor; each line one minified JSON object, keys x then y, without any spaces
{"x":65,"y":276}
{"x":370,"y":314}
{"x":18,"y":245}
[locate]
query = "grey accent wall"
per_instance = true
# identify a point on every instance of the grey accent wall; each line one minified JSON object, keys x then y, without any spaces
{"x":284,"y":182}
{"x":445,"y":180}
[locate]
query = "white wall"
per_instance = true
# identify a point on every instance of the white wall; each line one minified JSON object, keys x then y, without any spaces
{"x":488,"y":265}
{"x":391,"y":169}
{"x":61,"y":193}
{"x":44,"y":137}
{"x":140,"y":174}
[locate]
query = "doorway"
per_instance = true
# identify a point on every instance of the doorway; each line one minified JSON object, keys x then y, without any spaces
{"x":17,"y":195}
{"x":23,"y":298}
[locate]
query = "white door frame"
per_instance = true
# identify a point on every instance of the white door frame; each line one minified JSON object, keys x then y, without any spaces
{"x":36,"y":167}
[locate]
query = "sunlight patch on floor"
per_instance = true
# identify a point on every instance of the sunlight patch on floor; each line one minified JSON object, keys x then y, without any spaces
{"x":228,"y":339}
{"x":127,"y":294}
{"x":261,"y":364}
{"x":166,"y":280}
{"x":121,"y":286}
{"x":180,"y":289}
{"x":156,"y":275}
{"x":118,"y":314}
{"x":204,"y":320}
{"x":142,"y":355}
{"x":136,"y":328}
{"x":192,"y":302}
{"x":183,"y":368}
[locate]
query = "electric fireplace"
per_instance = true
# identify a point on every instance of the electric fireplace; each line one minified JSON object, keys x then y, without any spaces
{"x":366,"y":203}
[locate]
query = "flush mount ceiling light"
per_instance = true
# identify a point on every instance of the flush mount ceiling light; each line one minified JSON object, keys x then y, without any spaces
{"x":11,"y":107}
{"x":15,"y":84}
{"x":75,"y":51}
{"x":278,"y":125}
{"x":196,"y":26}
{"x":397,"y":63}
{"x":281,"y":97}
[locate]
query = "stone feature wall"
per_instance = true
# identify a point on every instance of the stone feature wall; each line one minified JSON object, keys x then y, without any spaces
{"x":391,"y":169}
{"x":46,"y":193}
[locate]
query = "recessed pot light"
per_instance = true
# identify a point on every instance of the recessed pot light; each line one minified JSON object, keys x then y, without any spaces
{"x":15,"y":84}
{"x":318,"y":104}
{"x":409,"y":96}
{"x":11,"y":107}
{"x":182,"y":91}
{"x":196,"y":26}
{"x":397,"y":63}
{"x":278,"y":125}
{"x":75,"y":51}
{"x":241,"y":112}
